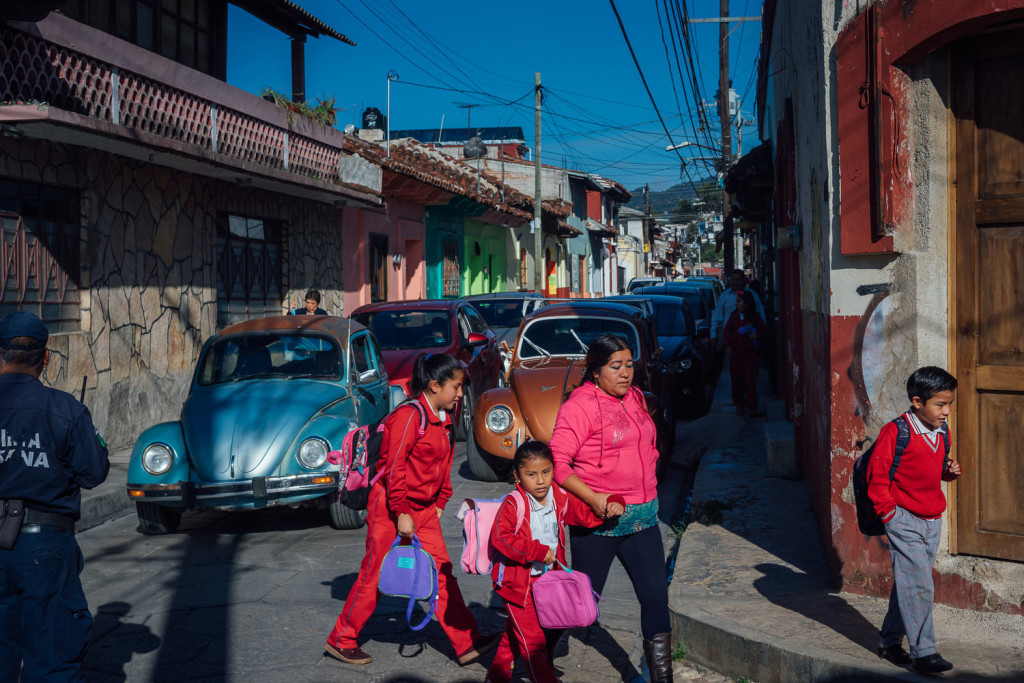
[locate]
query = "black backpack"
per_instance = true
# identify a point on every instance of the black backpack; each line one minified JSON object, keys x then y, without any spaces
{"x":867,"y":519}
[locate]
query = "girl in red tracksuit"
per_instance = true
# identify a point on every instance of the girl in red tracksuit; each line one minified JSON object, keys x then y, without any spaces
{"x":409,"y":499}
{"x":529,"y":545}
{"x":742,"y":339}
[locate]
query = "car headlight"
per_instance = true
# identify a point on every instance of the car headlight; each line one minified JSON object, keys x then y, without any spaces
{"x":686,"y":363}
{"x":499,"y":419}
{"x":157,"y":458}
{"x":313,"y":453}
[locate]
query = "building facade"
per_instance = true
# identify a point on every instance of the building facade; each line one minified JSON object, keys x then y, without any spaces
{"x":896,"y":147}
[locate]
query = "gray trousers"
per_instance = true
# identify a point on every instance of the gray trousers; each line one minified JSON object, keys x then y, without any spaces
{"x":912,"y":545}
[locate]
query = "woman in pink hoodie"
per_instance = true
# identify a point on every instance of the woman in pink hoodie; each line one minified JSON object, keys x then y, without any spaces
{"x":604,"y":444}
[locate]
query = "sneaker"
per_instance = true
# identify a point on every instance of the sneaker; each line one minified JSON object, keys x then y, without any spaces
{"x":350,"y":655}
{"x":479,"y":648}
{"x":895,"y":654}
{"x":932,"y":664}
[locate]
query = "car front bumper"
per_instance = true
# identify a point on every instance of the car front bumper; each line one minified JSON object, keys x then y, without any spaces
{"x":240,"y":494}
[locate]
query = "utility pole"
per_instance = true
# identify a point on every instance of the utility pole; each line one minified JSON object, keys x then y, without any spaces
{"x":538,"y":233}
{"x":648,"y":247}
{"x":723,"y":113}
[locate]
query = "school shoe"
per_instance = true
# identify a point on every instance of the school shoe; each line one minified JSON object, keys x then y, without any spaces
{"x":932,"y":664}
{"x":349,"y":655}
{"x":895,"y":654}
{"x":481,"y":647}
{"x":658,"y":652}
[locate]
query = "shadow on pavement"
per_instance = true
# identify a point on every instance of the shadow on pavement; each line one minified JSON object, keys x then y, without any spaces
{"x":114,"y":643}
{"x":797,"y":592}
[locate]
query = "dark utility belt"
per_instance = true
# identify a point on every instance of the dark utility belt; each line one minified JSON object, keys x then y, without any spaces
{"x":50,"y":519}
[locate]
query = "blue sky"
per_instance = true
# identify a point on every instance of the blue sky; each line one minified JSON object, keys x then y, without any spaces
{"x":597,"y":115}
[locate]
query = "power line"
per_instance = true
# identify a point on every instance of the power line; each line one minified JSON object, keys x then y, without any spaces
{"x":640,"y":71}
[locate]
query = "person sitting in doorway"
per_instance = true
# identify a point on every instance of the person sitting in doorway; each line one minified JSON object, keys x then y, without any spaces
{"x":312,"y":305}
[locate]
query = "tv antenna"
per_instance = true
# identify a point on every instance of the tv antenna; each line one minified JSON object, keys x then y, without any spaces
{"x":468,"y":106}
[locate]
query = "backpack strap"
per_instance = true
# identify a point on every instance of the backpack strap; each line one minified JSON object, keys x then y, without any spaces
{"x":902,"y":441}
{"x":520,"y":506}
{"x":946,"y":443}
{"x":412,"y":599}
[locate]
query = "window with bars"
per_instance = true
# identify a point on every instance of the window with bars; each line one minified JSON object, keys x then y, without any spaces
{"x":248,"y":268}
{"x":452,"y":271}
{"x":40,"y":253}
{"x":575,"y":265}
{"x":524,"y":274}
{"x":182,"y":30}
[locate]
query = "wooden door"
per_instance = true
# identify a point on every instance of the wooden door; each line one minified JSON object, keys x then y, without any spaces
{"x":988,"y":103}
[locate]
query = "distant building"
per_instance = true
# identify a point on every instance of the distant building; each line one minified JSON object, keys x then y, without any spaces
{"x":509,"y":140}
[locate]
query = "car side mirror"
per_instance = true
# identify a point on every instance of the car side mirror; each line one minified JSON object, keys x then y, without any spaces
{"x":367,"y":376}
{"x":475,"y":339}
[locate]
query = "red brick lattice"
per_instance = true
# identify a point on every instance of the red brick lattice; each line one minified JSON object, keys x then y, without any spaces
{"x":310,"y":158}
{"x":247,"y":138}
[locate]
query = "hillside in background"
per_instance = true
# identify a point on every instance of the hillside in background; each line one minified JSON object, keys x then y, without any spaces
{"x":663,"y":201}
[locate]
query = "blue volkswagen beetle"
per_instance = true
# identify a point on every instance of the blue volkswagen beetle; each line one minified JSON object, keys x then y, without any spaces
{"x":269,"y":400}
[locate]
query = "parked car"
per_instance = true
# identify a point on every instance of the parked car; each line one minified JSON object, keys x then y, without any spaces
{"x":504,"y":311}
{"x":680,"y":349}
{"x":691,"y":295}
{"x":708,"y":289}
{"x":270,"y":398}
{"x":405,"y":329}
{"x":698,"y":305}
{"x":644,"y":282}
{"x":715,"y":282}
{"x":547,"y":365}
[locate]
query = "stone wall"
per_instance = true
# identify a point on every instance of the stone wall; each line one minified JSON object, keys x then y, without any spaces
{"x":148,"y":275}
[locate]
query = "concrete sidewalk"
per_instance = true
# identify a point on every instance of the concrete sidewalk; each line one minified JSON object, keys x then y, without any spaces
{"x":110,"y":499}
{"x":750,"y":595}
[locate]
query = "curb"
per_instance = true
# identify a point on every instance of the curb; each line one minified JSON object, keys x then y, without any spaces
{"x":109,"y":500}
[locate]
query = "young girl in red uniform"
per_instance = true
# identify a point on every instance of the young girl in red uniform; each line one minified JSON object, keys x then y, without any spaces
{"x":742,"y":338}
{"x":409,"y":499}
{"x":526,"y":553}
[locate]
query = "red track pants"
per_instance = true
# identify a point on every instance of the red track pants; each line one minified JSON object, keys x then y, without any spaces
{"x":743,"y":373}
{"x":451,"y":611}
{"x":524,"y":638}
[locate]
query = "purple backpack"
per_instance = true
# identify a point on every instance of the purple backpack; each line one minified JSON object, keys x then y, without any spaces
{"x":408,"y":571}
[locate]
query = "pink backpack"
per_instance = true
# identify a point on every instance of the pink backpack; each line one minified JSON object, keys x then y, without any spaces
{"x":359,"y":456}
{"x":565,"y":599}
{"x":477,"y":516}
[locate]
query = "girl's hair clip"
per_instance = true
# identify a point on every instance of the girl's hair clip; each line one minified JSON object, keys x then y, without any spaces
{"x":428,"y":356}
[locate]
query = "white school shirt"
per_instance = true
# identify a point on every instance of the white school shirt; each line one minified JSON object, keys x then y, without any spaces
{"x":543,"y":527}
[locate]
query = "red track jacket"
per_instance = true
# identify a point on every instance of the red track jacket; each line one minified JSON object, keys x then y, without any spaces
{"x":417,"y":468}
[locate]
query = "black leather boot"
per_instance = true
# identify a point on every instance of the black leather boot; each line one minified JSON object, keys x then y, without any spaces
{"x":658,"y":651}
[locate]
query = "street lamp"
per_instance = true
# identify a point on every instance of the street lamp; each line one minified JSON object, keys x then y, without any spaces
{"x":392,"y":76}
{"x":691,"y":144}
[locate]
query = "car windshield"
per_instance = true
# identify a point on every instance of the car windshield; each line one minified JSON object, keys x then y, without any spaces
{"x":408,"y":329}
{"x":271,"y":355}
{"x":501,"y":312}
{"x":571,"y":336}
{"x":670,"y":320}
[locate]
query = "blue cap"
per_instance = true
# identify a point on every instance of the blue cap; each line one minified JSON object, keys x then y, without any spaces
{"x":23,"y":324}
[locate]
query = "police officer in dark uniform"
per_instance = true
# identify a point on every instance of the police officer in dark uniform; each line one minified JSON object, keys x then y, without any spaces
{"x":49,"y":451}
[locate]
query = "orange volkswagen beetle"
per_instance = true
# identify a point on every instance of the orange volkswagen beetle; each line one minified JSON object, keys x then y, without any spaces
{"x":547,"y":364}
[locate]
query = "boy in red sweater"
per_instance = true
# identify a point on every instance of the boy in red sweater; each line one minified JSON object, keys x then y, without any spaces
{"x":911,"y":503}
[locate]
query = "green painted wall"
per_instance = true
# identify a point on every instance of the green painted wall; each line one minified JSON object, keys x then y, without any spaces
{"x":443,"y":225}
{"x":486,"y":249}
